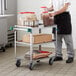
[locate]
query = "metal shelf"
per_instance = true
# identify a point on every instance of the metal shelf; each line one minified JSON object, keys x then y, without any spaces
{"x":18,"y":42}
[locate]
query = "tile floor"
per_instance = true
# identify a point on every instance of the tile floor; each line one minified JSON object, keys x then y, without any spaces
{"x":8,"y":68}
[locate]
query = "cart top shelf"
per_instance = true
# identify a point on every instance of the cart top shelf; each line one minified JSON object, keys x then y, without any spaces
{"x":29,"y":29}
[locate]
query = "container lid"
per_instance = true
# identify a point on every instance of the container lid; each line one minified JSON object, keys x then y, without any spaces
{"x":45,"y":12}
{"x":43,"y":7}
{"x":26,"y":12}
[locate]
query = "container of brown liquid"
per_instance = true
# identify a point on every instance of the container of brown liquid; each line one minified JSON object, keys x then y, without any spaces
{"x":47,"y":20}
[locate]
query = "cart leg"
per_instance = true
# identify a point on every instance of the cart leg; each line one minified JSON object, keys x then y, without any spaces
{"x":51,"y":60}
{"x":39,"y":45}
{"x":31,"y":52}
{"x":15,"y":43}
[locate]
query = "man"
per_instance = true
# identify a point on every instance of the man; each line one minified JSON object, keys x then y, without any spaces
{"x":63,"y":20}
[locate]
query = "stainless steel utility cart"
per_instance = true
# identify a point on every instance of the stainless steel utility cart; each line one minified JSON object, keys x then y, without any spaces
{"x":30,"y":31}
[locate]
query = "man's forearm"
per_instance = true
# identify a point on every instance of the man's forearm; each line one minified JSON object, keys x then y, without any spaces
{"x":63,"y":9}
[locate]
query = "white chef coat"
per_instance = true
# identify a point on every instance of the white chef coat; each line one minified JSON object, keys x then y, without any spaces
{"x":58,"y":4}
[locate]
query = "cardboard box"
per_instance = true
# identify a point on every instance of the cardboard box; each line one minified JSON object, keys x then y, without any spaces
{"x":38,"y":38}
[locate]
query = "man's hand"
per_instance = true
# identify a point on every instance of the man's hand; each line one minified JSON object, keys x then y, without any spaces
{"x":52,"y":14}
{"x":50,"y":8}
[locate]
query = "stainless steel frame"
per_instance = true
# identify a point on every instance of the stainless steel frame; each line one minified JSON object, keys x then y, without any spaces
{"x":31,"y":41}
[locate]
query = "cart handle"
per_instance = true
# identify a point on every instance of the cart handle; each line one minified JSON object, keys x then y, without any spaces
{"x":11,"y":28}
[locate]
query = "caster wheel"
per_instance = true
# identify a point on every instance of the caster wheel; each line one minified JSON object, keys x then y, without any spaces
{"x":3,"y":49}
{"x":10,"y":45}
{"x":51,"y":60}
{"x":31,"y":66}
{"x":38,"y":61}
{"x":18,"y":63}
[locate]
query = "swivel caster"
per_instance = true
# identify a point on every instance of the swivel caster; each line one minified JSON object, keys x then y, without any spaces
{"x":51,"y":60}
{"x":18,"y":63}
{"x":31,"y":66}
{"x":3,"y":49}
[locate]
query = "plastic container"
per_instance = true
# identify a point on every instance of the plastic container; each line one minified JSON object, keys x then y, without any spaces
{"x":44,"y":9}
{"x":47,"y":20}
{"x":27,"y":19}
{"x":21,"y":17}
